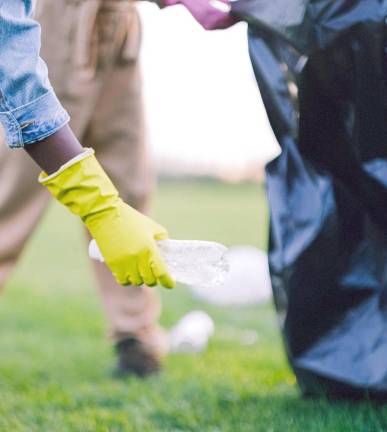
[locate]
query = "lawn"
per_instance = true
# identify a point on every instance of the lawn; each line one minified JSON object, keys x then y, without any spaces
{"x":55,"y":362}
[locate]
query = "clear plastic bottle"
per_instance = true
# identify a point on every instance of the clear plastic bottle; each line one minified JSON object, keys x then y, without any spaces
{"x":192,"y":262}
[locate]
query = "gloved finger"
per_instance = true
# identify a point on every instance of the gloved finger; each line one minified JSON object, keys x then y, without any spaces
{"x":158,"y":231}
{"x":146,"y":271}
{"x":221,"y":5}
{"x":219,"y":18}
{"x":119,"y":275}
{"x":127,"y":282}
{"x":161,"y":235}
{"x":121,"y":279}
{"x":225,"y":24}
{"x":160,"y":271}
{"x":133,"y":274}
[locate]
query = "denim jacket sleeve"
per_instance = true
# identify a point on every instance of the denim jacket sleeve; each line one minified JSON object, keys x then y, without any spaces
{"x":29,"y":108}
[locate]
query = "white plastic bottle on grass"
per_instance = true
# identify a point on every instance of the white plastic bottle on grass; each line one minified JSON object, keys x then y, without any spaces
{"x":191,"y":262}
{"x":192,"y":333}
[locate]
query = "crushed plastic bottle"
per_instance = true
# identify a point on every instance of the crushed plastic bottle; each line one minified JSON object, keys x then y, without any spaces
{"x":191,"y":262}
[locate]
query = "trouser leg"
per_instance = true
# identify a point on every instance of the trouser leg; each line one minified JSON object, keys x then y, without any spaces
{"x":22,"y":203}
{"x":117,"y":133}
{"x":97,"y":78}
{"x":22,"y":199}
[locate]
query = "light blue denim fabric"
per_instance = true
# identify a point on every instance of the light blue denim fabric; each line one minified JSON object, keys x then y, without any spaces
{"x":29,"y":108}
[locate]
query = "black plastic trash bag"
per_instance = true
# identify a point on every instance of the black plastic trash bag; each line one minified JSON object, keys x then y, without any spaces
{"x":321,"y":66}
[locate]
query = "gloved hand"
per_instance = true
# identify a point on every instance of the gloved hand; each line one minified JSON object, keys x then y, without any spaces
{"x":211,"y":14}
{"x":125,"y":237}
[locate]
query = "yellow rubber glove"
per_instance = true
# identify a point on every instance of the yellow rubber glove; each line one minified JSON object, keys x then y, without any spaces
{"x":126,"y":238}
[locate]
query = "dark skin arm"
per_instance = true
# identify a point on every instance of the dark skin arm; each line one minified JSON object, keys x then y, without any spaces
{"x":52,"y":152}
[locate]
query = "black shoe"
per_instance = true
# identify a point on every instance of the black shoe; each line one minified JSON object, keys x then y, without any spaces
{"x":135,"y":359}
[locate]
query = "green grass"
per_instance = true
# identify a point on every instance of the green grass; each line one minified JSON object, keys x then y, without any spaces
{"x":55,"y":363}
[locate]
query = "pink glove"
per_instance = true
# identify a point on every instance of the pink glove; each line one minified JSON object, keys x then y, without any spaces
{"x":211,"y":14}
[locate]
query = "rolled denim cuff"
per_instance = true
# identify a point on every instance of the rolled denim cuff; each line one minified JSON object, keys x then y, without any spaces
{"x":34,"y":121}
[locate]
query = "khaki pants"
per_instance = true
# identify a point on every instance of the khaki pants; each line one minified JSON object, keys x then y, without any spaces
{"x":91,"y":48}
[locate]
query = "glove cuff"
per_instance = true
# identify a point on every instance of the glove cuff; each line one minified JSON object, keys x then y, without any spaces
{"x":44,"y":179}
{"x":82,"y":186}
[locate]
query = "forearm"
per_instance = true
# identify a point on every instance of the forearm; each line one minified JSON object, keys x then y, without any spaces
{"x":53,"y":152}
